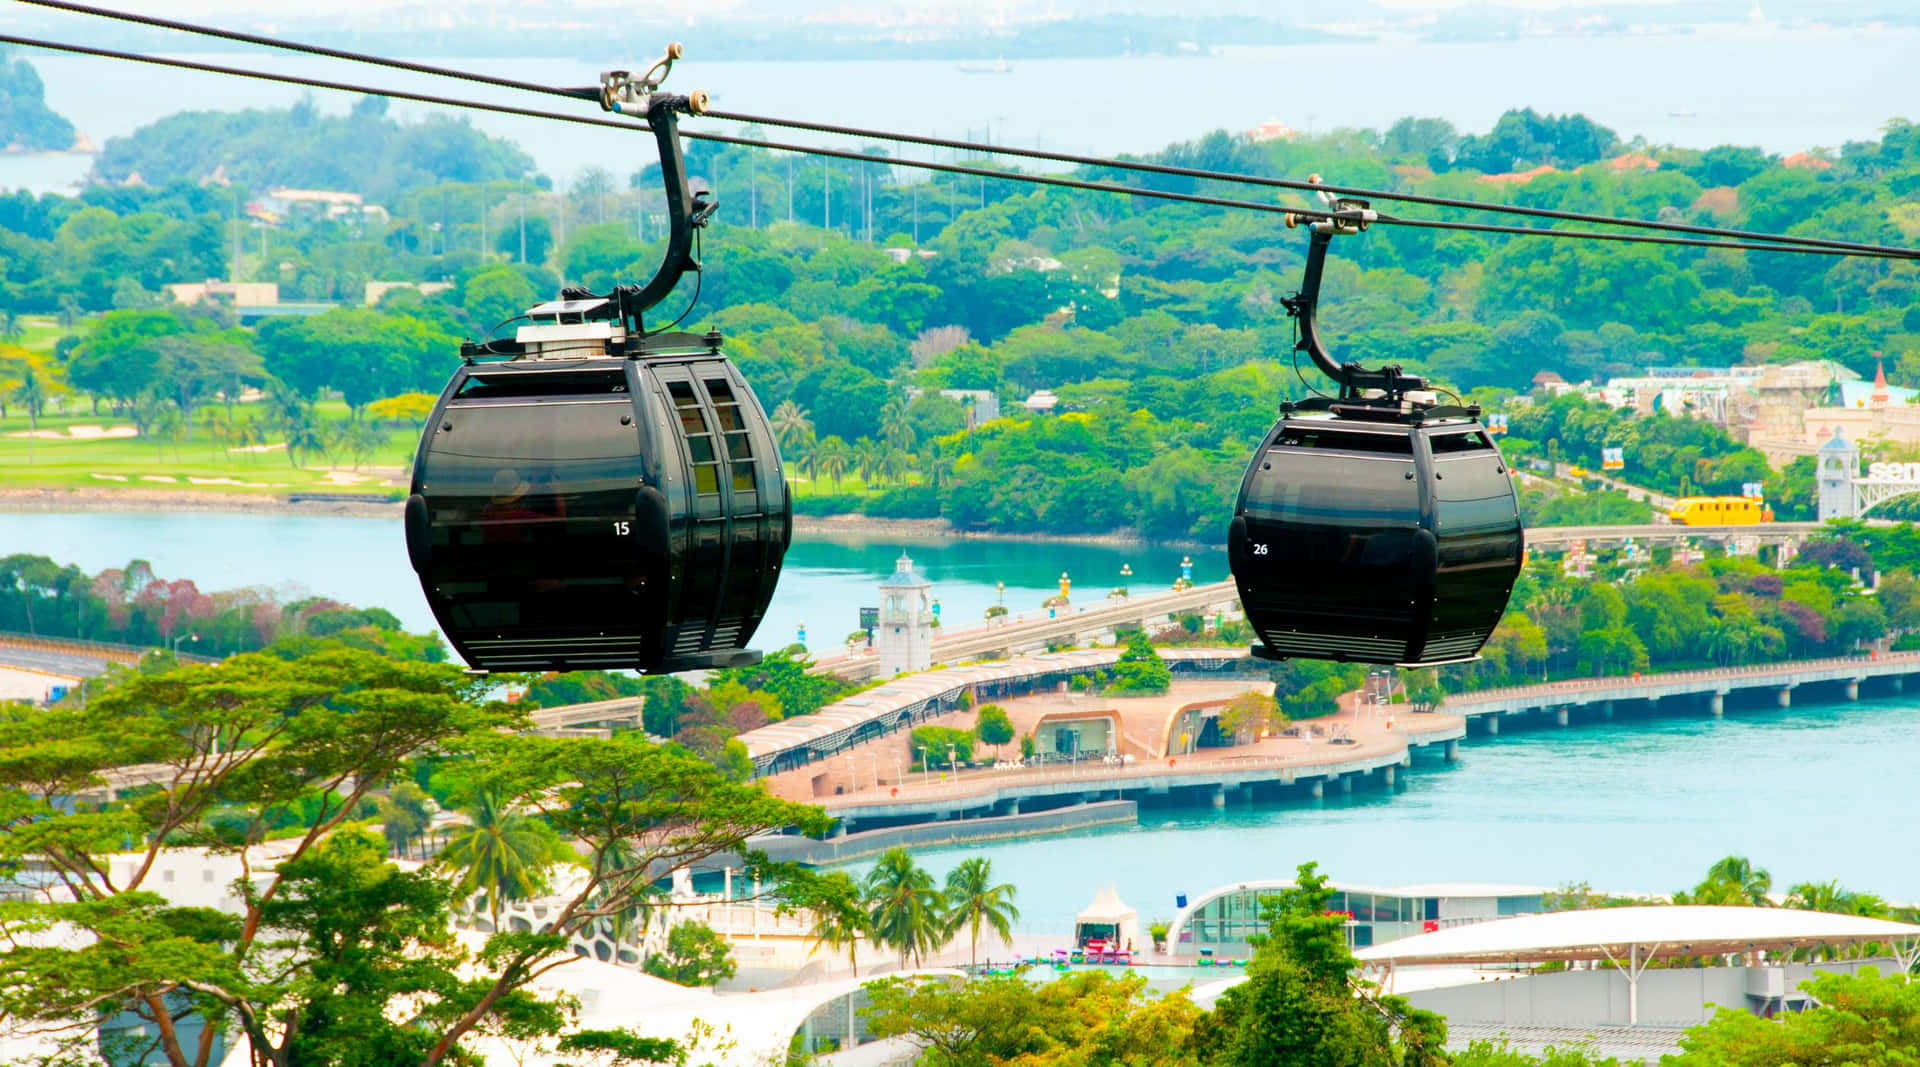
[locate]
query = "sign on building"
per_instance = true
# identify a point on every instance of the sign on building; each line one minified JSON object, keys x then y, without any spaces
{"x":1613,"y":459}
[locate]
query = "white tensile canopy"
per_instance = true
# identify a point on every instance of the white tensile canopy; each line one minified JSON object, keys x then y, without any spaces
{"x":1630,"y":938}
{"x":1107,"y":917}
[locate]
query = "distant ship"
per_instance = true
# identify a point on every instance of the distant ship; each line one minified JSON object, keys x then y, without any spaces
{"x":998,"y":66}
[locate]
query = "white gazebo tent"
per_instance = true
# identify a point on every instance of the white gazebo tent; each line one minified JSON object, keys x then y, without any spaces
{"x":1107,"y":917}
{"x":1631,"y":938}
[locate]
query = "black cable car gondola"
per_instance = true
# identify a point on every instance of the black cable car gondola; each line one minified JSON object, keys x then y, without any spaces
{"x":1377,"y":526}
{"x":591,"y":495}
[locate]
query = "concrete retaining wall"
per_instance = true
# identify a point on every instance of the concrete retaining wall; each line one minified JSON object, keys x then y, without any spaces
{"x":1681,"y":996}
{"x":950,"y":832}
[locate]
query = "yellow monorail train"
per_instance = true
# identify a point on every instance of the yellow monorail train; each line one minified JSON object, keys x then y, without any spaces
{"x":1719,"y":511}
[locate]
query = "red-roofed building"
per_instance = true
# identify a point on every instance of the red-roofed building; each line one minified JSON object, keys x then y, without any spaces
{"x":1807,"y":161}
{"x":1633,"y":161}
{"x":1520,"y":177}
{"x":1272,"y":130}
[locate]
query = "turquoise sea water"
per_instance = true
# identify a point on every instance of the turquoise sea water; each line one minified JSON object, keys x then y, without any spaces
{"x":1810,"y":793}
{"x":364,"y":561}
{"x":1640,"y":805}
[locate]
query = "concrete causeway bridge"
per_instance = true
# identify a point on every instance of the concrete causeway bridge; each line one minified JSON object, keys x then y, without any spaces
{"x":1093,"y":623}
{"x":1099,"y":621}
{"x":1711,"y":691}
{"x":1554,"y":538}
{"x":1218,"y":776}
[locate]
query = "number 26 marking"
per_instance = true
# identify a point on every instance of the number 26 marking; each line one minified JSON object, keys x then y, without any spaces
{"x":1259,"y":549}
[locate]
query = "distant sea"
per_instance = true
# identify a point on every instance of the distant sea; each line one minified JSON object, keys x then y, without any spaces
{"x":1784,"y":90}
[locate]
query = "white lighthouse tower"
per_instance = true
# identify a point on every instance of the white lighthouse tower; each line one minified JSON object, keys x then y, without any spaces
{"x":906,"y":620}
{"x":1838,"y":465}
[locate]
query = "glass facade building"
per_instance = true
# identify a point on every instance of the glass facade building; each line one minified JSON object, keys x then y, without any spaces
{"x":1224,"y":918}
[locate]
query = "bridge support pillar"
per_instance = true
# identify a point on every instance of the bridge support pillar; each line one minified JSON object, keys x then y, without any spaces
{"x":1346,"y":783}
{"x":1011,"y":806}
{"x":1853,"y":689}
{"x":1219,"y":797}
{"x":1786,"y":696}
{"x":1899,"y":684}
{"x":1561,"y":715}
{"x":1717,"y":704}
{"x":1493,"y":723}
{"x":839,"y":829}
{"x":1606,"y":710}
{"x":1318,"y":789}
{"x":1387,"y":776}
{"x":1452,"y":751}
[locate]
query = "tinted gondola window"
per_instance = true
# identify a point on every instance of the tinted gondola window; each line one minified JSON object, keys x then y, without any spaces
{"x":520,"y":473}
{"x":1471,"y":495}
{"x":1392,"y":444}
{"x":702,"y":452}
{"x":1334,"y":490}
{"x":1454,"y":443}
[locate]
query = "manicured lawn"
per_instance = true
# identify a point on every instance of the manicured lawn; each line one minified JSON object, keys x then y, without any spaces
{"x":203,"y":464}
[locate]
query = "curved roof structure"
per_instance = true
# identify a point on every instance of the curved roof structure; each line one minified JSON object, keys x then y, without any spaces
{"x":1644,"y":932}
{"x":833,"y":726}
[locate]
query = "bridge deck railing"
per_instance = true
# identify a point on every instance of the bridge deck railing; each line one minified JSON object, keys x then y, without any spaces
{"x":1573,"y":686}
{"x":104,"y":650}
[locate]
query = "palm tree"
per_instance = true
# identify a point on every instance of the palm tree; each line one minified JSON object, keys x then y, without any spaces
{"x":30,"y":394}
{"x":972,"y":900}
{"x":893,"y":464}
{"x":1749,"y":883}
{"x":867,"y":455}
{"x":935,"y":466}
{"x":896,"y":429}
{"x":500,"y":853}
{"x":791,"y":427}
{"x":840,"y":918}
{"x":903,"y":906}
{"x":832,"y":457}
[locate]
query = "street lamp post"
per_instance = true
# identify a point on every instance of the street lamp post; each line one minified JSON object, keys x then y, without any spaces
{"x":195,"y":638}
{"x":926,"y":772}
{"x":953,"y":760}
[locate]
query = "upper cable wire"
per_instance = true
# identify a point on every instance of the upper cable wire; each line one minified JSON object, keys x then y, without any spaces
{"x":1702,"y":236}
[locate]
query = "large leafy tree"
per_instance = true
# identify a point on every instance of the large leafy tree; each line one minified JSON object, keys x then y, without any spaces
{"x":1862,"y":1018}
{"x":254,"y":736}
{"x":1081,"y":1020}
{"x":1300,"y":1005}
{"x":695,"y":955}
{"x":329,"y":942}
